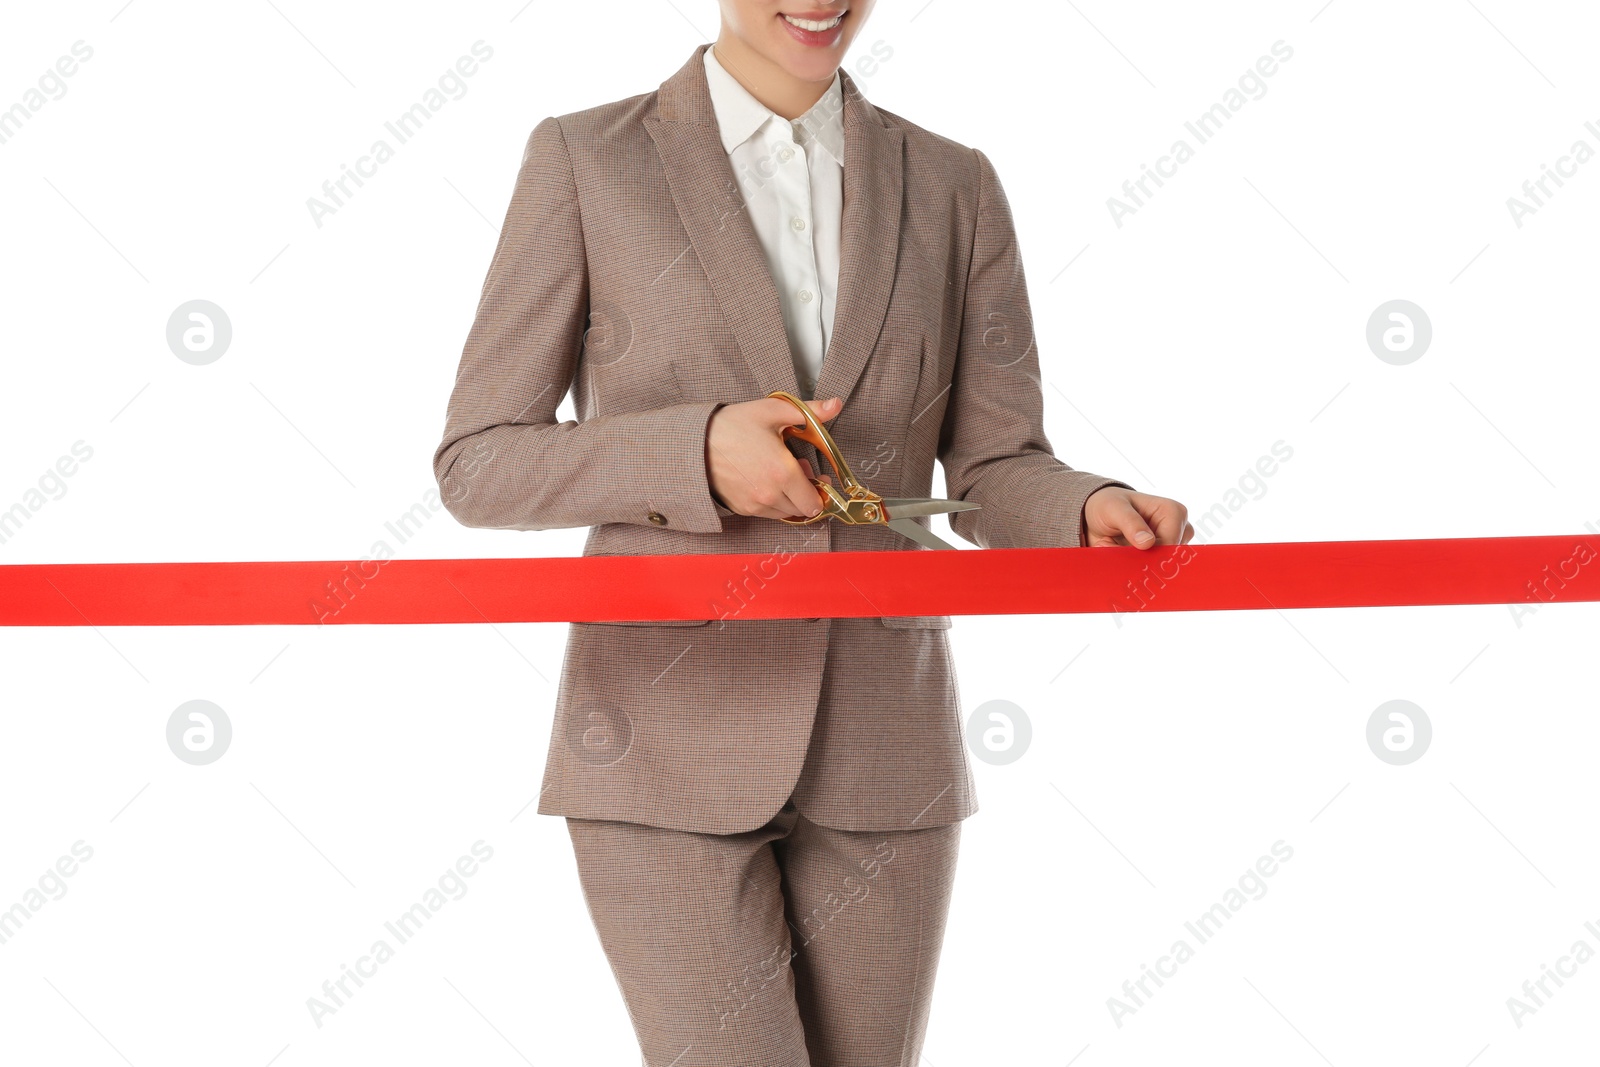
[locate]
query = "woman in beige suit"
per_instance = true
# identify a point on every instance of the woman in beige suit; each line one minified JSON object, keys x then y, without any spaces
{"x":764,"y":812}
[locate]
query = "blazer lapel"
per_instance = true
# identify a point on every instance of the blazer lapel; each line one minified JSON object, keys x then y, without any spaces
{"x":869,"y":240}
{"x":684,"y":128}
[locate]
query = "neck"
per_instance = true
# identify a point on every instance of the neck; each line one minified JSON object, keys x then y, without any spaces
{"x":777,"y":89}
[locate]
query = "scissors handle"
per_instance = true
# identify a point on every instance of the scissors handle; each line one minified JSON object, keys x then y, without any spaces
{"x":849,"y":501}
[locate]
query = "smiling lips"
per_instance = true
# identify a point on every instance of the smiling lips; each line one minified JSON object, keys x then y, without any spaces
{"x":817,"y":28}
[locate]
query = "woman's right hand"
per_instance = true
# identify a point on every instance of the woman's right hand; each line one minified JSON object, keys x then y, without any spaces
{"x":750,"y":468}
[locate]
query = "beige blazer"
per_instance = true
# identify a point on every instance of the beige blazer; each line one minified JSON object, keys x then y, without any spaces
{"x":628,"y":273}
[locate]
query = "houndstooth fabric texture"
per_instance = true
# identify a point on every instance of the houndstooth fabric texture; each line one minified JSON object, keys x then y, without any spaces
{"x":792,"y":945}
{"x":628,"y":274}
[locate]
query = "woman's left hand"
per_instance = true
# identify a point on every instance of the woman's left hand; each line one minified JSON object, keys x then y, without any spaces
{"x":1117,"y":516}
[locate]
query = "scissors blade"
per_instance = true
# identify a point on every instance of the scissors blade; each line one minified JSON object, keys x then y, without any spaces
{"x":918,"y":533}
{"x":907,"y":506}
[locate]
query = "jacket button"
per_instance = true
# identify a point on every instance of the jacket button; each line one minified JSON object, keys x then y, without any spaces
{"x":658,"y":518}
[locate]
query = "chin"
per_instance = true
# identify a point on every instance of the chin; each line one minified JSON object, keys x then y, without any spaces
{"x":809,"y":62}
{"x":814,"y":66}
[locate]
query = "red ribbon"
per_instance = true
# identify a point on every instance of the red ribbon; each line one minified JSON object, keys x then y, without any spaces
{"x":781,"y":585}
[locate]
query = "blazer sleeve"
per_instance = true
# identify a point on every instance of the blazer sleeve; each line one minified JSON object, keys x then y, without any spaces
{"x":992,"y":442}
{"x":504,"y":462}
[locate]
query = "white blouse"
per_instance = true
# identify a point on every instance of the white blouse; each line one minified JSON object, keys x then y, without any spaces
{"x":791,"y":175}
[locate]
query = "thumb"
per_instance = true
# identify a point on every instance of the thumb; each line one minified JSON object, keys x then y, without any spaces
{"x":825,"y":409}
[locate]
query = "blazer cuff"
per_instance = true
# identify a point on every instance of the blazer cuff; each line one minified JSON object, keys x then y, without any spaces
{"x":1032,"y":507}
{"x":1091,"y":484}
{"x":679,"y":497}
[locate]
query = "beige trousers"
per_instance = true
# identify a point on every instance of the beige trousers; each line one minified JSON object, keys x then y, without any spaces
{"x":792,"y":945}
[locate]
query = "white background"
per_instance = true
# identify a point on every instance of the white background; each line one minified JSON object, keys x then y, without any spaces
{"x":1170,"y":750}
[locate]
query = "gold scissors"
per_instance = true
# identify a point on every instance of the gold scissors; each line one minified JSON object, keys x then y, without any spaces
{"x":853,"y":503}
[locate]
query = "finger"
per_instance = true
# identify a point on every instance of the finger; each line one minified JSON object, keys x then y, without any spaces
{"x":810,"y":471}
{"x":798,"y":496}
{"x":797,"y":487}
{"x":1125,"y":521}
{"x":1169,"y":523}
{"x":804,"y":497}
{"x":1167,"y":518}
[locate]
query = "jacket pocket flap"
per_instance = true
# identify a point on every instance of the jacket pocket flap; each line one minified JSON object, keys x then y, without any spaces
{"x":650,"y":622}
{"x":916,"y":622}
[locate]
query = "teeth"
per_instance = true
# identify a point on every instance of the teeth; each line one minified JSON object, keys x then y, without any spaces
{"x":814,"y":27}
